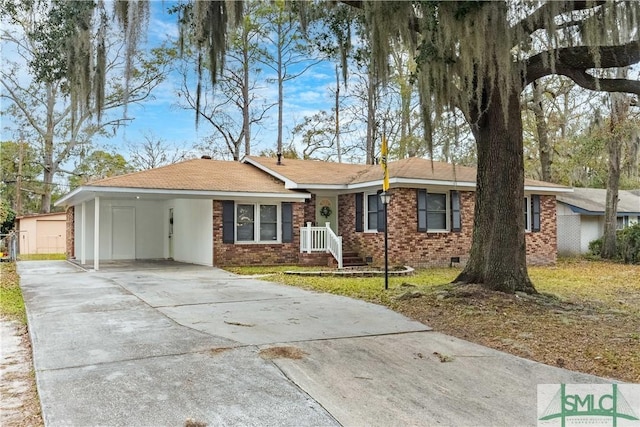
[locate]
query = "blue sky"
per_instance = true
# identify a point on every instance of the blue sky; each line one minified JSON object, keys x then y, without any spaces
{"x":163,"y":119}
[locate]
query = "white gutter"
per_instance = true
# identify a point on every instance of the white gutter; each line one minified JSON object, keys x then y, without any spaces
{"x":89,"y":191}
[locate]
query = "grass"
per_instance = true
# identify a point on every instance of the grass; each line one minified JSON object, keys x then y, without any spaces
{"x":11,"y":302}
{"x":586,"y":317}
{"x":41,"y":257}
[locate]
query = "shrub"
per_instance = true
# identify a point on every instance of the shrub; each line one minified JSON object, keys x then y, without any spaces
{"x":627,"y":245}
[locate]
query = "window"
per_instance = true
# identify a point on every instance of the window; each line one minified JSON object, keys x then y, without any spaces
{"x":248,"y":225}
{"x":245,"y":223}
{"x":372,"y":211}
{"x":437,"y":211}
{"x":268,"y":222}
{"x":532,"y":213}
{"x":434,"y":211}
{"x":622,"y":222}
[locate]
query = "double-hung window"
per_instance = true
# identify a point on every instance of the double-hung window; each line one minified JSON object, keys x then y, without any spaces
{"x":622,"y":222}
{"x":438,"y":211}
{"x":372,"y":212}
{"x":256,"y":222}
{"x":532,"y":213}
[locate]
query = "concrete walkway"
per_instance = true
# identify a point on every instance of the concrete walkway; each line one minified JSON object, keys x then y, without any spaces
{"x":156,"y":344}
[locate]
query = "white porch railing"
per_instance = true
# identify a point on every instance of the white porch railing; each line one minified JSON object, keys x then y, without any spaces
{"x":321,"y":239}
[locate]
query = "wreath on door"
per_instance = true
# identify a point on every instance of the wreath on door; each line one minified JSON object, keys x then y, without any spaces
{"x":325,"y":211}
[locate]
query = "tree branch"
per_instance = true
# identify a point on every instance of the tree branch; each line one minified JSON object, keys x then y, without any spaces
{"x":537,"y":20}
{"x":587,"y":81}
{"x":580,"y":59}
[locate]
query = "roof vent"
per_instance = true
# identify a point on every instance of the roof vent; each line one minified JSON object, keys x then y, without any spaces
{"x":206,"y":157}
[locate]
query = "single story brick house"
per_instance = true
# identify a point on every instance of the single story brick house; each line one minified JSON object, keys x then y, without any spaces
{"x":581,"y":217}
{"x":265,"y":211}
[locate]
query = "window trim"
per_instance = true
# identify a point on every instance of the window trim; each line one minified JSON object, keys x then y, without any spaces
{"x":625,"y":221}
{"x":365,"y":212}
{"x":528,"y":220}
{"x":447,"y":211}
{"x":256,"y":223}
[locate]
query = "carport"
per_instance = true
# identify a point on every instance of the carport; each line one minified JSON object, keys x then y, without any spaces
{"x":116,"y":224}
{"x":162,"y":213}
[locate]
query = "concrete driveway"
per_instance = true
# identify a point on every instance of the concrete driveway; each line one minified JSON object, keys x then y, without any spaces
{"x":155,"y":344}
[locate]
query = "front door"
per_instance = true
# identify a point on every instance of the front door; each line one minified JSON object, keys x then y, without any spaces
{"x":327,"y":211}
{"x":123,"y":232}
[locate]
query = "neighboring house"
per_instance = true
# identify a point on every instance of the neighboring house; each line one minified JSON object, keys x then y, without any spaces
{"x":42,"y":233}
{"x":262,"y":211}
{"x":581,"y":217}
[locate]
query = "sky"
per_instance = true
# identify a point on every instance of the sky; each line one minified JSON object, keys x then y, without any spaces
{"x":163,"y":119}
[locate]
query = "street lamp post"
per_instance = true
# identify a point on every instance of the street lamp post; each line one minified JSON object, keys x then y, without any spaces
{"x":385,"y":197}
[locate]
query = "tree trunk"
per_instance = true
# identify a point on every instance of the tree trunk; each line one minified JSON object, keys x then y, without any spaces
{"x":611,"y":202}
{"x":338,"y":148}
{"x":543,"y":134}
{"x":371,"y":119}
{"x":619,"y":110}
{"x":280,"y":87}
{"x":246,"y":101}
{"x":497,"y":259}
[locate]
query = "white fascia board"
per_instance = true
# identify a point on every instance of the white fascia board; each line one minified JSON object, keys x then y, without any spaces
{"x":549,"y":190}
{"x":88,"y":193}
{"x":68,"y":196}
{"x":322,"y":186}
{"x":410,"y":182}
{"x":288,"y":184}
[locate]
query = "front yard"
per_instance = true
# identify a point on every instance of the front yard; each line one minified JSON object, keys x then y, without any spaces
{"x":586,"y":317}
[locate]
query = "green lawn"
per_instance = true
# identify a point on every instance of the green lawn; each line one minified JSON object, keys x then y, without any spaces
{"x":11,"y":302}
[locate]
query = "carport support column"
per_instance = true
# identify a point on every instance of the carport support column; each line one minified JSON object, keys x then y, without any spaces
{"x":96,"y":235}
{"x":83,"y":234}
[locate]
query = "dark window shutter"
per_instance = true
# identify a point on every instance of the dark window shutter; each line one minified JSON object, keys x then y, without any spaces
{"x":287,"y":222}
{"x":535,"y":212}
{"x":359,"y":213}
{"x":422,"y":209}
{"x":380,"y":212}
{"x":228,"y":221}
{"x":456,"y":219}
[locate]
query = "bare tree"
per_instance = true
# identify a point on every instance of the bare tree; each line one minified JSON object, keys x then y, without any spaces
{"x":45,"y":110}
{"x":233,"y":105}
{"x":154,"y":152}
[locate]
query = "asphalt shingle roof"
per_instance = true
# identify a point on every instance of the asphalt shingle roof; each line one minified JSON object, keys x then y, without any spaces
{"x":594,"y":200}
{"x":319,"y":172}
{"x":199,"y":174}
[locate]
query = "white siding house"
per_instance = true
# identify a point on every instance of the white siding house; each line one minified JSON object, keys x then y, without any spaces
{"x":580,"y":217}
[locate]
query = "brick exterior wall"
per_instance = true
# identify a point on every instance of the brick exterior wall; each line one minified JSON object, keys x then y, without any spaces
{"x":542,"y":247}
{"x":71,"y":235}
{"x":227,"y":254}
{"x":407,"y":246}
{"x":310,"y":211}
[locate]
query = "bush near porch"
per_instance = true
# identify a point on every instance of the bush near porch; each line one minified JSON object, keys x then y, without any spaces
{"x":586,"y":317}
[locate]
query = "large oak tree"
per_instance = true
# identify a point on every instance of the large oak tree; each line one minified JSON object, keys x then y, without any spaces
{"x":478,"y":57}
